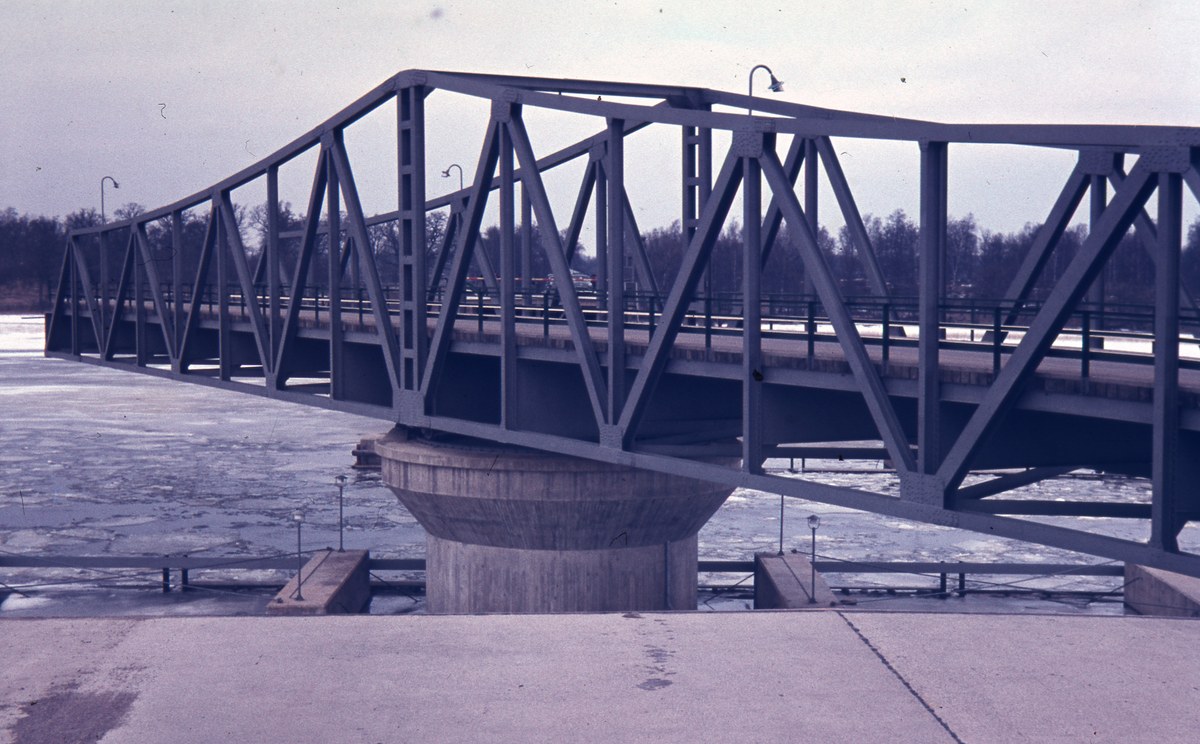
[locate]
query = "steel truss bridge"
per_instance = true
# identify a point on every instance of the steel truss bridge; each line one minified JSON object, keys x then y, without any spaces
{"x":660,"y":377}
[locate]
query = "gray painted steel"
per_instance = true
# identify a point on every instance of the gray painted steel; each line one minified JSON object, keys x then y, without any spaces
{"x":654,"y":380}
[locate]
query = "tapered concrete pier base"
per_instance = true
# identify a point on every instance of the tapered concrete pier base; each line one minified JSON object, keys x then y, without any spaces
{"x":513,"y":530}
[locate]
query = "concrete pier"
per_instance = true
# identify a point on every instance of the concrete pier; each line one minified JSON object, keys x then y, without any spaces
{"x":513,"y":530}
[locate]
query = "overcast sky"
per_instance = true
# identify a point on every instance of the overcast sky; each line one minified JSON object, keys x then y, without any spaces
{"x":170,"y":97}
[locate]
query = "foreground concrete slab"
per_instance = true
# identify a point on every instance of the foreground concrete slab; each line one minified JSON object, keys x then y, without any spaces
{"x":1152,"y":591}
{"x":334,"y":583}
{"x":683,"y":677}
{"x":1005,"y":678}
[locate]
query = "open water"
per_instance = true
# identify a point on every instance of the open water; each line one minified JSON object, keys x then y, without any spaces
{"x":95,"y":461}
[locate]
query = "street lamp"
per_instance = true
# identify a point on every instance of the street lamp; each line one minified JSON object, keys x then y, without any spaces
{"x":298,"y":518}
{"x":340,"y":480}
{"x":446,"y":174}
{"x":775,"y":87}
{"x":116,"y":185}
{"x":781,"y":524}
{"x":813,"y":523}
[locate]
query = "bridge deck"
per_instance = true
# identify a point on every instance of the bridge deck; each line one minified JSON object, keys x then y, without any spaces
{"x":965,"y":363}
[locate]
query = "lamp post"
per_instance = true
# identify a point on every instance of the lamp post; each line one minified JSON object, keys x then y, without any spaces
{"x":298,"y":518}
{"x":813,"y":523}
{"x":340,"y":480}
{"x":116,"y":185}
{"x":446,"y":174}
{"x":775,"y":87}
{"x":781,"y":524}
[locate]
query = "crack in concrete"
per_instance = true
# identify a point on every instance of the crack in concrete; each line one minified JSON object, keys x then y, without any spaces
{"x":900,"y":677}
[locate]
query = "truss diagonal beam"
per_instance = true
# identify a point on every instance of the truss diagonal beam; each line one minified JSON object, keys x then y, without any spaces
{"x":864,"y":370}
{"x":107,"y":349}
{"x":193,"y":316}
{"x":774,"y":219}
{"x":291,"y":321}
{"x":61,"y":290}
{"x":682,"y":292}
{"x":1147,"y":234}
{"x":468,"y":236}
{"x":362,"y":244}
{"x":586,"y":186}
{"x":160,"y":306}
{"x":246,"y":281}
{"x":531,"y":179}
{"x":1075,"y":281}
{"x":1047,"y":238}
{"x":89,"y":296}
{"x":1009,"y":482}
{"x":445,"y":249}
{"x":641,"y":259}
{"x":850,"y":213}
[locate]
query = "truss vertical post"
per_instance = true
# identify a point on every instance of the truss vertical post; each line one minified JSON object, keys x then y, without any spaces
{"x":224,"y":343}
{"x":139,"y":313}
{"x":1164,"y":522}
{"x":615,"y":176}
{"x":933,"y":249}
{"x":697,"y":185}
{"x":178,"y":316}
{"x":526,"y":246}
{"x":811,"y":202}
{"x":337,"y":336}
{"x":508,"y":329}
{"x":1099,"y":200}
{"x":103,"y":293}
{"x":414,"y":335}
{"x":602,"y":277}
{"x":73,"y":258}
{"x":271,"y":256}
{"x":752,"y":376}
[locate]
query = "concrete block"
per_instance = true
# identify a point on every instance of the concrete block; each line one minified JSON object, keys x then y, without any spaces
{"x":784,"y":582}
{"x":1152,"y":591}
{"x":334,"y":584}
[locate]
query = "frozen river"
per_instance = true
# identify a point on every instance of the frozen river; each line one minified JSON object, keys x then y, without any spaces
{"x":101,"y":462}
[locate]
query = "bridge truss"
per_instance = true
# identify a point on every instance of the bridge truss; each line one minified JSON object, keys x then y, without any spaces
{"x":662,"y":377}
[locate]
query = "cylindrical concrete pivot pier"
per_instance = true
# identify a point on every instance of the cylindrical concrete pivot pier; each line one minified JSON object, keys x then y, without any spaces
{"x":513,"y":530}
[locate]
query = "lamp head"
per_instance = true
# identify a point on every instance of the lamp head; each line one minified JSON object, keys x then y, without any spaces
{"x":298,"y":517}
{"x":776,"y":85}
{"x":814,"y":521}
{"x":116,"y":185}
{"x":446,"y":173}
{"x":340,"y":480}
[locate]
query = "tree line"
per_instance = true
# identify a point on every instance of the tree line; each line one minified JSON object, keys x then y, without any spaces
{"x":979,"y":263}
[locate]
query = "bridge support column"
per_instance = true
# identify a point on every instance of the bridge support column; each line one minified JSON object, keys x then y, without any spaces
{"x":513,"y":530}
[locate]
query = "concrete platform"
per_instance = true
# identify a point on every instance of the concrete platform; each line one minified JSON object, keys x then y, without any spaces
{"x":1152,"y":591}
{"x":684,"y":677}
{"x":787,"y":582}
{"x":334,"y":583}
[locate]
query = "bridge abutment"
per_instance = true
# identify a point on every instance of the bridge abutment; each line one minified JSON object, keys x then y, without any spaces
{"x":514,"y":530}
